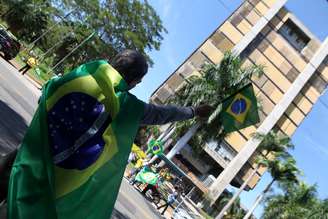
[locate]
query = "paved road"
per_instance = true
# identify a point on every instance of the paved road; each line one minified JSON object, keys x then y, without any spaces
{"x":131,"y":204}
{"x":18,"y":101}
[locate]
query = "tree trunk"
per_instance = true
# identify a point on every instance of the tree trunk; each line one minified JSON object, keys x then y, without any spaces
{"x":258,"y":200}
{"x":240,"y":190}
{"x":237,"y":194}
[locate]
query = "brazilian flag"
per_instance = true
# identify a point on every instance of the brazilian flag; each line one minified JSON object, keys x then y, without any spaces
{"x":155,"y":147}
{"x":73,"y":156}
{"x":240,"y":110}
{"x":146,"y":175}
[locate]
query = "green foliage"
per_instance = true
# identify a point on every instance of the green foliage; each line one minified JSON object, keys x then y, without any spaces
{"x":144,"y":133}
{"x":216,"y":83}
{"x":282,"y":169}
{"x":295,"y":201}
{"x":27,"y":19}
{"x":235,"y":212}
{"x":274,"y":143}
{"x":118,"y":24}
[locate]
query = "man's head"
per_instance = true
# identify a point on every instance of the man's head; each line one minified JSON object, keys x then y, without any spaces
{"x":132,"y":66}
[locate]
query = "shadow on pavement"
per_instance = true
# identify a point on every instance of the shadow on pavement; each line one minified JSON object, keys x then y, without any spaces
{"x":151,"y":207}
{"x":118,"y":215}
{"x":12,"y":128}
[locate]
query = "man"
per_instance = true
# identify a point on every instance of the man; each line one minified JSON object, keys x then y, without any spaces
{"x":73,"y":156}
{"x":170,"y":200}
{"x":32,"y":62}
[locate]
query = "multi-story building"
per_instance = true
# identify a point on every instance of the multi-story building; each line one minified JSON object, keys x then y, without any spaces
{"x":295,"y":75}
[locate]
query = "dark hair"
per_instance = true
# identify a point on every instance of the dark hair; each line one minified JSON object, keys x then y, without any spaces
{"x":130,"y":64}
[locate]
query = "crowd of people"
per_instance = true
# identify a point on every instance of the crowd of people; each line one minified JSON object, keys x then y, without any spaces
{"x":139,"y":165}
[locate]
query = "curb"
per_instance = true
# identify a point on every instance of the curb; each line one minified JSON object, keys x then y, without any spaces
{"x":36,"y":84}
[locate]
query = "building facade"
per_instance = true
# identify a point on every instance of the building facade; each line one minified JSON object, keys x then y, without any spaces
{"x":295,"y":64}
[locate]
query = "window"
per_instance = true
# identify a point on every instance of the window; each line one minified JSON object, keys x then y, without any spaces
{"x":269,"y":88}
{"x":236,"y":19}
{"x":156,"y":100}
{"x":223,"y":149}
{"x":260,"y":81}
{"x":246,"y":9}
{"x":294,"y":35}
{"x":221,"y":42}
{"x":318,"y":83}
{"x":198,"y":60}
{"x":254,"y":2}
{"x":175,"y":81}
{"x":163,"y":94}
{"x":185,"y":70}
{"x":292,"y":74}
{"x":252,"y":46}
{"x":217,"y":38}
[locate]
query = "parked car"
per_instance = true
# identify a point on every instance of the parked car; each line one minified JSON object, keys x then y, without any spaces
{"x":9,"y":45}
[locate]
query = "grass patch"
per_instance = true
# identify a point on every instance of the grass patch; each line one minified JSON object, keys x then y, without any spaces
{"x":40,"y":73}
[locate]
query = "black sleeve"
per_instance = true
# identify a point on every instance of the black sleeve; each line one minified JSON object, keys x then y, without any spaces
{"x":158,"y":115}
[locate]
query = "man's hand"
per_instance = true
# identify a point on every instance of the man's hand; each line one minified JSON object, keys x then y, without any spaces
{"x":203,"y":111}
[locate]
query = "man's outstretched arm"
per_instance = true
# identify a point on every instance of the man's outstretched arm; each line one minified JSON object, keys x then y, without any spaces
{"x":161,"y":114}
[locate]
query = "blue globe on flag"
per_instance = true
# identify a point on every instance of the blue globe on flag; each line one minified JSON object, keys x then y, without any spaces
{"x":239,"y":106}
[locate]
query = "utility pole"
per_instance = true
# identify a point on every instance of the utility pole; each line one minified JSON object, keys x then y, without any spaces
{"x":51,"y":48}
{"x":31,"y":45}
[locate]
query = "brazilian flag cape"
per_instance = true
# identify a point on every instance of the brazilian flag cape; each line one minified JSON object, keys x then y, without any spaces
{"x":73,"y":156}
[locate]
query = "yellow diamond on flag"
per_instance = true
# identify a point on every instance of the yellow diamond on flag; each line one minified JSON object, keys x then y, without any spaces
{"x":239,"y":107}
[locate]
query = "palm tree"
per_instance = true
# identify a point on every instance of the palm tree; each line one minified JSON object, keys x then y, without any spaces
{"x":235,"y":212}
{"x":215,"y":84}
{"x":296,"y":202}
{"x":320,"y":211}
{"x":281,"y":170}
{"x":272,"y":143}
{"x":299,"y":201}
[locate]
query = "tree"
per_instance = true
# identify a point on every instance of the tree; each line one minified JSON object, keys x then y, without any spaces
{"x":272,"y":143}
{"x":293,"y":203}
{"x":26,"y":19}
{"x":298,"y":201}
{"x":320,"y":211}
{"x":235,"y":212}
{"x":215,"y":83}
{"x":283,"y":170}
{"x":118,"y":24}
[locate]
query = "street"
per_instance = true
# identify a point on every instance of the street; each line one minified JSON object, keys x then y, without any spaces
{"x":18,"y":101}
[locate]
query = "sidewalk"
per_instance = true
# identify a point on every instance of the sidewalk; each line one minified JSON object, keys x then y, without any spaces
{"x":167,"y":214}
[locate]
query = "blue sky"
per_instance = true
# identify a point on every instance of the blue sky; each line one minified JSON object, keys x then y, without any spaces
{"x":190,"y":22}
